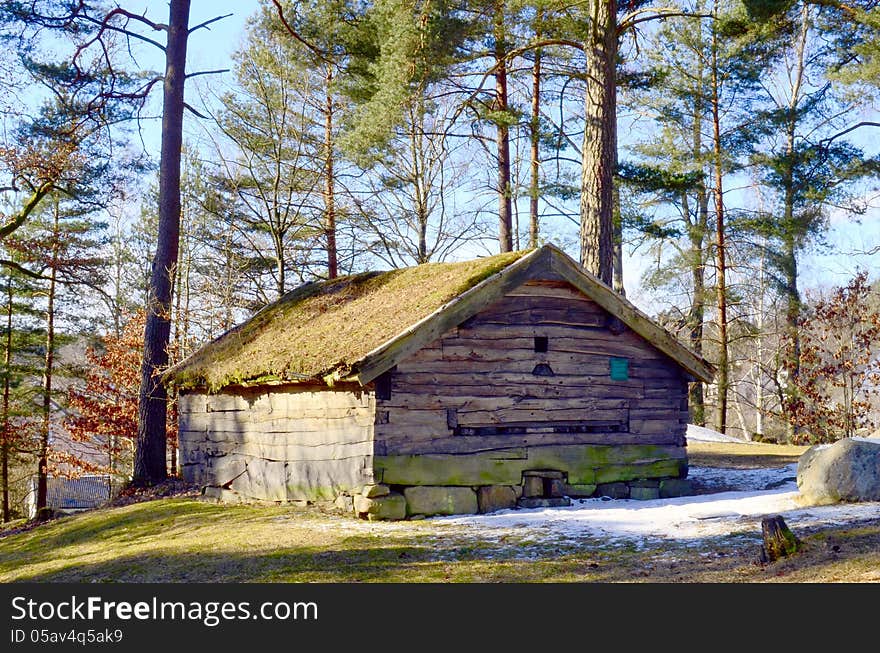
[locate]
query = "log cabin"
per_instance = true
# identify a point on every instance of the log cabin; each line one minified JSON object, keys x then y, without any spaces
{"x":516,"y":380}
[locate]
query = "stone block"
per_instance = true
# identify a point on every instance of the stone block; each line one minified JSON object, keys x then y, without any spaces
{"x":676,"y":487}
{"x":544,"y":473}
{"x":373,"y":491}
{"x":644,"y":493}
{"x":392,"y":506}
{"x":645,"y":483}
{"x":440,"y":500}
{"x":495,"y":497}
{"x":344,"y":502}
{"x":557,"y":487}
{"x":580,"y":491}
{"x":613,"y":490}
{"x":533,"y":486}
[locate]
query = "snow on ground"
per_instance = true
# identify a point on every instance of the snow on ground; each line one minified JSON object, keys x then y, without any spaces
{"x":758,"y":493}
{"x":702,"y":434}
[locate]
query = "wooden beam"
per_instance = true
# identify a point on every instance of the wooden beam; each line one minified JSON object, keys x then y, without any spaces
{"x":631,"y":316}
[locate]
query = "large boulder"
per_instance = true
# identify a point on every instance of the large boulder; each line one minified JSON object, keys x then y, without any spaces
{"x":848,"y":470}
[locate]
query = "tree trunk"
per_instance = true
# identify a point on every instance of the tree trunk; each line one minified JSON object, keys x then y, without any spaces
{"x":6,"y":450}
{"x":696,"y":312}
{"x":599,"y":153}
{"x":505,"y":212}
{"x":535,"y":134}
{"x":43,"y":449}
{"x":779,"y":541}
{"x":617,"y":263}
{"x":329,"y":183}
{"x":150,"y":456}
{"x":791,"y":230}
{"x":720,"y":247}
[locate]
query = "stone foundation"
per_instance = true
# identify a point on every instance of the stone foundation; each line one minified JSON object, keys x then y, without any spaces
{"x":539,"y":489}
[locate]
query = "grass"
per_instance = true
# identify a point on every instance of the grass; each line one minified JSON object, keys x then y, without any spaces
{"x":188,"y":540}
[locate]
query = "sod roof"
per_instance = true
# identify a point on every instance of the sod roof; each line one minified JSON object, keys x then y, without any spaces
{"x":324,"y":328}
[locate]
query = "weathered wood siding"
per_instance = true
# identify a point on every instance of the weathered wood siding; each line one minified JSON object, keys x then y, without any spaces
{"x":478,"y":406}
{"x":279,"y":443}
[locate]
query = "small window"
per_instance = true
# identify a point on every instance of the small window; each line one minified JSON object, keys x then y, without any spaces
{"x":541,"y":344}
{"x":619,"y":369}
{"x":383,"y":386}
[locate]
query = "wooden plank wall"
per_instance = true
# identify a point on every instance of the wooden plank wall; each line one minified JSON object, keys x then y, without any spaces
{"x":481,"y":373}
{"x":279,"y":443}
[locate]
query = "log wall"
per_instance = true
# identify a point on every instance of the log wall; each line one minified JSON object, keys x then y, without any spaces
{"x":480,"y":405}
{"x":279,"y":443}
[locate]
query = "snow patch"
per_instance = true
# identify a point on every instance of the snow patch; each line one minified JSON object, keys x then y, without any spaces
{"x":702,"y":434}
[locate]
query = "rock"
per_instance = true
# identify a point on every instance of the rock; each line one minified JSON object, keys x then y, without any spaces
{"x":344,"y":502}
{"x":676,"y":487}
{"x":616,"y":490}
{"x":373,"y":491}
{"x":392,"y":506}
{"x":557,"y":487}
{"x":440,"y":500}
{"x":579,"y":491}
{"x":644,"y":493}
{"x":495,"y":497}
{"x":533,"y":486}
{"x":848,"y":470}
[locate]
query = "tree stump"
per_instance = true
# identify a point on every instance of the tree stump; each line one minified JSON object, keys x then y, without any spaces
{"x":779,"y":541}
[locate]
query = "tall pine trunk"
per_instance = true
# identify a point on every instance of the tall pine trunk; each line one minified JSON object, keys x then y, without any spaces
{"x":535,"y":136}
{"x":720,"y":246}
{"x":150,"y":455}
{"x":48,"y":368}
{"x":599,"y":152}
{"x":329,"y":182}
{"x":6,"y":449}
{"x":505,"y":210}
{"x":697,"y":231}
{"x":790,"y":230}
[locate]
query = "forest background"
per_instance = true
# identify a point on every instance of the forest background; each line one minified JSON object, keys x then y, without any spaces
{"x":329,"y":137}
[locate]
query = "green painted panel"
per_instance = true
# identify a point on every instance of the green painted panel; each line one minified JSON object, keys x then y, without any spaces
{"x":619,"y":368}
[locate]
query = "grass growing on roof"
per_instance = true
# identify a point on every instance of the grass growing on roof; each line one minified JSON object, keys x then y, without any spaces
{"x":326,"y":326}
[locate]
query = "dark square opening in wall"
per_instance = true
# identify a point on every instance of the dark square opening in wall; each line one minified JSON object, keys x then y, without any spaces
{"x":541,"y":344}
{"x":383,"y":386}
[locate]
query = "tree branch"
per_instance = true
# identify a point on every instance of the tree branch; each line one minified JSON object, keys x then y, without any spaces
{"x":207,"y":72}
{"x":26,"y":210}
{"x":188,"y":107}
{"x":865,"y":123}
{"x":311,"y":46}
{"x":208,"y":22}
{"x":633,"y":18}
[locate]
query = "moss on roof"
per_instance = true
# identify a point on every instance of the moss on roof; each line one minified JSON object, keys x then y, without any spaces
{"x":325,"y":327}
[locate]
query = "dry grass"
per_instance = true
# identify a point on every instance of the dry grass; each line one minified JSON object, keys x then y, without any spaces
{"x":187,"y":540}
{"x":737,"y":455}
{"x":326,"y":326}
